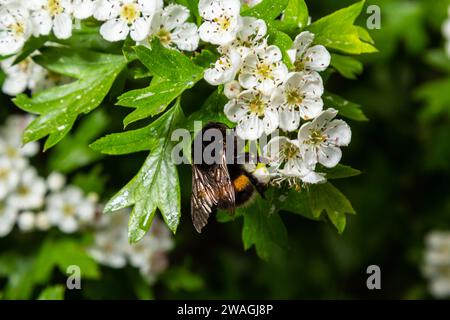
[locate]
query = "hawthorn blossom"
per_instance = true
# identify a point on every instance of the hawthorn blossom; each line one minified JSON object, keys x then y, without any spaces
{"x":446,"y":32}
{"x":225,"y":69}
{"x":170,"y":26}
{"x":83,"y":9}
{"x":26,"y":221}
{"x":15,"y":27}
{"x":232,"y":89}
{"x":298,"y":98}
{"x":9,"y":177}
{"x":69,"y":209}
{"x":307,"y":57}
{"x":56,"y":181}
{"x":123,"y":17}
{"x":48,"y":15}
{"x":322,"y":138}
{"x":253,"y":113}
{"x":250,"y":36}
{"x":8,"y":218}
{"x":30,"y":191}
{"x":287,"y":163}
{"x":251,"y":3}
{"x":222,"y":20}
{"x":263,"y":70}
{"x":25,"y":75}
{"x":437,"y":263}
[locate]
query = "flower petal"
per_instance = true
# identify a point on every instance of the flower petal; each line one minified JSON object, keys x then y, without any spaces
{"x":329,"y":156}
{"x":339,"y":133}
{"x":62,"y":26}
{"x":114,"y":30}
{"x":140,"y":29}
{"x":317,"y":58}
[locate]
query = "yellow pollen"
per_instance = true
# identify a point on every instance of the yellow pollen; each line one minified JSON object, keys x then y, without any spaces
{"x":293,"y":98}
{"x":130,"y":12}
{"x":23,"y":190}
{"x":317,"y":137}
{"x":257,"y":106}
{"x":164,"y":36}
{"x":264,"y":70}
{"x":68,"y":210}
{"x":55,"y":8}
{"x":290,"y":151}
{"x":223,"y":22}
{"x":18,"y":28}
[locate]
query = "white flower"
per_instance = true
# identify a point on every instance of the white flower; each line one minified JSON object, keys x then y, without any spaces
{"x":83,"y":9}
{"x":125,"y":17}
{"x":53,"y":15}
{"x":225,"y":69}
{"x":298,"y":98}
{"x":111,"y":243}
{"x":437,"y":263}
{"x":263,"y":70}
{"x":11,"y":142}
{"x":249,"y":37}
{"x":41,"y":221}
{"x":68,"y":209}
{"x":8,"y":216}
{"x":322,"y":137}
{"x":149,"y":255}
{"x":30,"y":191}
{"x":56,"y":181}
{"x":253,"y":113}
{"x":251,"y":3}
{"x":446,"y":33}
{"x":172,"y":30}
{"x":232,"y":89}
{"x":15,"y":27}
{"x":222,"y":20}
{"x":307,"y":57}
{"x":26,"y":221}
{"x":9,"y":177}
{"x":286,"y":160}
{"x":21,"y":76}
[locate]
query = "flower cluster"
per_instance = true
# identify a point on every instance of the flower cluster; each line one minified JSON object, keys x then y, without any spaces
{"x":265,"y":95}
{"x":37,"y":204}
{"x":446,"y":33}
{"x":142,"y":20}
{"x":437,"y":263}
{"x":30,"y":201}
{"x":111,"y":247}
{"x":28,"y":75}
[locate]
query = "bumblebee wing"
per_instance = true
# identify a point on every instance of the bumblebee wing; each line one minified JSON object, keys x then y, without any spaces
{"x":210,"y":190}
{"x":203,"y":198}
{"x":226,"y":196}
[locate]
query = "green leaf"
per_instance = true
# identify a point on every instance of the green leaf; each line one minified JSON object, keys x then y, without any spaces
{"x":337,"y":31}
{"x":436,"y":98}
{"x":91,"y":181}
{"x":339,"y":172}
{"x":182,"y":279}
{"x":438,"y":59}
{"x":327,"y":198}
{"x":346,"y":108}
{"x":348,"y":67}
{"x":52,"y":293}
{"x":264,"y":229}
{"x":173,"y":74}
{"x":292,"y":201}
{"x":267,"y":10}
{"x":282,"y":41}
{"x":295,"y":16}
{"x":59,"y":107}
{"x":30,"y":47}
{"x":156,"y":186}
{"x":73,"y":151}
{"x":19,"y":271}
{"x":63,"y":253}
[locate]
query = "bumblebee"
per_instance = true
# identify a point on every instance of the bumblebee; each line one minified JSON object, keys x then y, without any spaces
{"x":220,"y":185}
